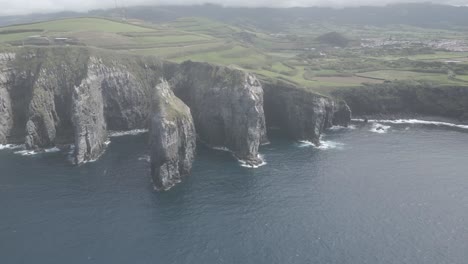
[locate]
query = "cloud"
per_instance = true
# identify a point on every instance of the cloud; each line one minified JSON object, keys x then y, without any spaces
{"x":14,"y":7}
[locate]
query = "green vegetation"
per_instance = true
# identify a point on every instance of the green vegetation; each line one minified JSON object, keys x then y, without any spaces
{"x":315,"y":55}
{"x":81,"y":24}
{"x":334,"y":39}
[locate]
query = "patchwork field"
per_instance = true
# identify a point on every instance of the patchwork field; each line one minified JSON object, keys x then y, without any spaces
{"x":300,"y":57}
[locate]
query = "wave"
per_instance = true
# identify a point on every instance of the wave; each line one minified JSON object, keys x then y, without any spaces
{"x":379,"y":128}
{"x":415,"y":122}
{"x":338,"y":128}
{"x":246,"y":164}
{"x":10,"y":146}
{"x":221,"y":149}
{"x":52,"y":150}
{"x":70,"y":153}
{"x":127,"y":133}
{"x":145,"y":158}
{"x":36,"y":152}
{"x":324,"y":144}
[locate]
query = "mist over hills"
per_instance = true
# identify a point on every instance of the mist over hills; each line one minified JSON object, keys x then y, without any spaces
{"x":278,"y":19}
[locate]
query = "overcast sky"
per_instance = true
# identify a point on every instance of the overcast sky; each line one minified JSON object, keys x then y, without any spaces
{"x":13,"y":7}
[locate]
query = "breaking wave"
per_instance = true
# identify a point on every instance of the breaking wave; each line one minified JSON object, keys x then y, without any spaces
{"x":10,"y":146}
{"x":35,"y":152}
{"x":338,"y":128}
{"x":145,"y":158}
{"x":379,"y":128}
{"x":221,"y":149}
{"x":324,"y":144}
{"x":127,"y":133}
{"x":246,"y":164}
{"x":415,"y":122}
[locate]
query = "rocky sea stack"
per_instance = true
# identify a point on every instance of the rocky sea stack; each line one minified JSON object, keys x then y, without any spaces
{"x":57,"y":96}
{"x":227,"y":106}
{"x":172,"y":138}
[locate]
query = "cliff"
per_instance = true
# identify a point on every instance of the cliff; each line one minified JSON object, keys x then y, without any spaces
{"x":172,"y":138}
{"x":302,"y":114}
{"x":407,"y":99}
{"x":227,"y":107}
{"x":58,"y":96}
{"x":6,"y":115}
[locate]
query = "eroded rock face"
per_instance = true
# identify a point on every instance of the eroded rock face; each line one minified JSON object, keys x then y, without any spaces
{"x":58,"y":96}
{"x":172,"y":138}
{"x":342,"y":114}
{"x":6,"y":115}
{"x":407,"y":100}
{"x":301,"y":114}
{"x":90,"y":127}
{"x":227,"y":107}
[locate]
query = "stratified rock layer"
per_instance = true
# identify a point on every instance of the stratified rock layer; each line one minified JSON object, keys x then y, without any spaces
{"x":227,"y":107}
{"x":172,"y":139}
{"x":403,"y":99}
{"x":57,"y":96}
{"x":342,"y":114}
{"x":90,"y":128}
{"x":301,"y":114}
{"x":6,"y":115}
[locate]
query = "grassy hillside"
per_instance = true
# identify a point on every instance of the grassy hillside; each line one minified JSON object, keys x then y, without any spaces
{"x":298,"y":55}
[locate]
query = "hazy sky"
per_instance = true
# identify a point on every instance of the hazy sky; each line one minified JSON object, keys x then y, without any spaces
{"x":13,"y":7}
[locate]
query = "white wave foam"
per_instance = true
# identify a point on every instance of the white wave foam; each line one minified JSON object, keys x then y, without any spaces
{"x":52,"y":150}
{"x":246,"y":164}
{"x":221,"y":149}
{"x":144,"y":158}
{"x":35,"y":152}
{"x":127,"y":133}
{"x":337,"y":128}
{"x":305,"y":143}
{"x":424,"y":122}
{"x":415,"y":122}
{"x":379,"y":128}
{"x":26,"y":152}
{"x":71,"y":151}
{"x":324,"y":144}
{"x":328,"y":144}
{"x":10,"y":146}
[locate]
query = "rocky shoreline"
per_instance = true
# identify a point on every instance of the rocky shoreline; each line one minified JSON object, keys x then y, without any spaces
{"x":56,"y":96}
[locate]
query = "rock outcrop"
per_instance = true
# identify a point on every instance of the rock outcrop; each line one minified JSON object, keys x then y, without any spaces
{"x":301,"y":114}
{"x":172,"y":138}
{"x":6,"y":115}
{"x":342,"y":114}
{"x":89,"y":124}
{"x":407,"y":99}
{"x":57,"y":96}
{"x":227,"y":107}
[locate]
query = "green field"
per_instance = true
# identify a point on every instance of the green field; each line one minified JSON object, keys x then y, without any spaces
{"x":81,"y":24}
{"x":297,"y":57}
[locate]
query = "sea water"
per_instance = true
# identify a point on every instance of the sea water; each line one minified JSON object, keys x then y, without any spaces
{"x":366,"y":195}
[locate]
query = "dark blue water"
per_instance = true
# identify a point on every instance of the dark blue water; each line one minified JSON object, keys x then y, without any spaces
{"x":397,"y":197}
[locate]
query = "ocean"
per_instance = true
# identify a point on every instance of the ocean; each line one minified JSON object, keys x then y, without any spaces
{"x":393,"y":192}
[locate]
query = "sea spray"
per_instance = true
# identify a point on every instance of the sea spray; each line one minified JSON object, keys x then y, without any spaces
{"x":127,"y":133}
{"x":415,"y":122}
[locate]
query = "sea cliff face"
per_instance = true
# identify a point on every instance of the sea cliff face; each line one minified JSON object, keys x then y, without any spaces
{"x":301,"y":114}
{"x":6,"y":115}
{"x":227,"y":107}
{"x":172,"y":138}
{"x":58,"y":96}
{"x":401,"y":99}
